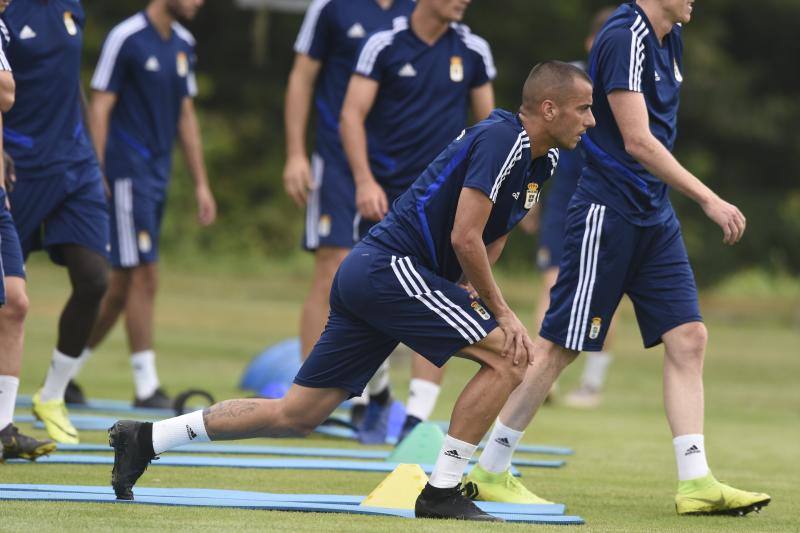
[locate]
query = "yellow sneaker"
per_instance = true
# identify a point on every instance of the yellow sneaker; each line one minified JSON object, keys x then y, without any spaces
{"x":56,"y":420}
{"x":707,"y":496}
{"x":488,"y":487}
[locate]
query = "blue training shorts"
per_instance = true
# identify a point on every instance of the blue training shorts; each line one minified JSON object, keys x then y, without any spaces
{"x":68,"y":208}
{"x":136,"y":215}
{"x":11,"y":262}
{"x":605,"y":257}
{"x":379,"y":300}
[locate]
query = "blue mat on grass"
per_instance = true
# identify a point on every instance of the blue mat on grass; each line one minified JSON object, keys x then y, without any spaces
{"x":238,"y":499}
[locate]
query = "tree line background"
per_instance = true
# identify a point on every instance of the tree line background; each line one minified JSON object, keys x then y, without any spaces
{"x":738,"y":124}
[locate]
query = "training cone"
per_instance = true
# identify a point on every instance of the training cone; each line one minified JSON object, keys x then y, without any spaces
{"x":399,"y":490}
{"x":421,"y":446}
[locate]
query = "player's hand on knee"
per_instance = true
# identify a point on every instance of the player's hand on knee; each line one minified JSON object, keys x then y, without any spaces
{"x":297,"y":179}
{"x":371,"y":200}
{"x":728,"y":217}
{"x":517,"y":344}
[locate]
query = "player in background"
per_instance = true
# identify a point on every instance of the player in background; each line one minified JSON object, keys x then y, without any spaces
{"x":59,"y":200}
{"x":326,"y":50}
{"x":410,"y":94}
{"x":400,"y":284}
{"x":13,"y":297}
{"x":550,"y":221}
{"x":622,"y":237}
{"x":144,"y":85}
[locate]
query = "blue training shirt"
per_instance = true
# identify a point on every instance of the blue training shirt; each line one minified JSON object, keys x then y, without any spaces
{"x":627,"y":56}
{"x":423,"y":98}
{"x":44,"y":131}
{"x":332,"y":33}
{"x":493,"y":157}
{"x":150,"y":76}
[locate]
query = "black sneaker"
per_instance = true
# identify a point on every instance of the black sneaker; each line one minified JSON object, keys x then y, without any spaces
{"x":15,"y":445}
{"x":449,"y":503}
{"x":408,"y":426}
{"x":357,"y":413}
{"x":74,"y":394}
{"x":133,"y":451}
{"x":158,"y":400}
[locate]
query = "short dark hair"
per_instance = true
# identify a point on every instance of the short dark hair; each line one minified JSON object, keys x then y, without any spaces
{"x":548,"y":80}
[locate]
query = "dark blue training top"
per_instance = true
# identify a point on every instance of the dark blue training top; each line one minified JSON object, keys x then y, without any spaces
{"x":150,"y":76}
{"x":332,"y":33}
{"x":44,"y":131}
{"x":494,"y":156}
{"x":424,"y":96}
{"x":627,"y":56}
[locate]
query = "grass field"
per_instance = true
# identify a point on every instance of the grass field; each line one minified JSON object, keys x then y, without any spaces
{"x":212,"y":319}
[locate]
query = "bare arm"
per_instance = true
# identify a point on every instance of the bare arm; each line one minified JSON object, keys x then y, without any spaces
{"x":630,"y":112}
{"x":482,"y":101}
{"x":299,"y":90}
{"x":7,"y":90}
{"x":99,"y":116}
{"x":474,"y":257}
{"x":361,"y":93}
{"x":192,"y":147}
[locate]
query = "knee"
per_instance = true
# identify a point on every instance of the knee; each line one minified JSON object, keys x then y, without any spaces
{"x":294,"y":424}
{"x":16,"y":307}
{"x":689,"y":346}
{"x":145,"y":279}
{"x":91,"y":285}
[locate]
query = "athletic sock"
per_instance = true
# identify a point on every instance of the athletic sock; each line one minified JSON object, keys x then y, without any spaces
{"x":382,"y":398}
{"x":168,"y":434}
{"x":422,"y":395}
{"x":8,"y":398}
{"x":690,"y":454}
{"x":595,"y":370}
{"x":451,"y":463}
{"x":82,"y":358}
{"x":61,"y":369}
{"x":503,"y":440}
{"x":145,"y":377}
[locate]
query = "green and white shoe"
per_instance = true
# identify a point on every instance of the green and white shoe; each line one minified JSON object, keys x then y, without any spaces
{"x":489,"y":487}
{"x":707,"y":496}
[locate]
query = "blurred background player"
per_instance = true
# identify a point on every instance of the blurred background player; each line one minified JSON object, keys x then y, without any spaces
{"x":410,"y":94}
{"x":549,"y":222}
{"x":143,"y":85}
{"x":13,"y":297}
{"x":623,"y":237}
{"x":59,"y":199}
{"x":326,"y":50}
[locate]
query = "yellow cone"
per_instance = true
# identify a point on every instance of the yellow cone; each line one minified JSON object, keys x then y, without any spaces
{"x":399,"y":490}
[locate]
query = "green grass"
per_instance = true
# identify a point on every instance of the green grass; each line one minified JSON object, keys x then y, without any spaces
{"x":622,"y":477}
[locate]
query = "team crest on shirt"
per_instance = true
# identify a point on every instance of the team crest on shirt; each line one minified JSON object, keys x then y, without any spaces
{"x":324,"y":226}
{"x":531,"y":195}
{"x":182,"y":64}
{"x":678,"y":76}
{"x":69,"y":23}
{"x":145,"y":243}
{"x":456,"y":69}
{"x":482,"y":312}
{"x":594,"y":331}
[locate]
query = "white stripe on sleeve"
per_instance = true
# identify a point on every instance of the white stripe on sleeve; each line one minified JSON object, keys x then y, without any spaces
{"x":110,"y":53}
{"x":306,"y":35}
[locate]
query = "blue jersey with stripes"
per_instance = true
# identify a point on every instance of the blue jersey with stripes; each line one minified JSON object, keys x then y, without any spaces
{"x":44,"y":131}
{"x":423,"y":96}
{"x":150,"y":76}
{"x":494,"y":157}
{"x":627,"y":56}
{"x":332,"y":33}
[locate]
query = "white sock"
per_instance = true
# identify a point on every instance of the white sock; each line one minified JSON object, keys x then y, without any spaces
{"x":174,"y":432}
{"x":144,"y":373}
{"x":503,"y":440}
{"x":595,"y":370}
{"x":690,"y":454}
{"x":380,"y":380}
{"x":8,"y":398}
{"x":451,"y":463}
{"x":422,"y":395}
{"x":82,"y":358}
{"x":360,"y":400}
{"x":61,"y":370}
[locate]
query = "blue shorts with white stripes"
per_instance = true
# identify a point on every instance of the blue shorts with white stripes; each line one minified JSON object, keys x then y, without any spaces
{"x":68,"y":208}
{"x":11,"y":263}
{"x":379,"y":300}
{"x":605,"y":257}
{"x":136,"y":216}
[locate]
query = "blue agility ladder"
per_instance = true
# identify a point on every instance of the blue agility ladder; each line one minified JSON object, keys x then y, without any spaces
{"x":535,"y":514}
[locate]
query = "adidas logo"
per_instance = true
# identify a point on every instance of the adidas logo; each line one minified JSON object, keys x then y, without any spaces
{"x":356,"y":31}
{"x":190,"y":432}
{"x":516,"y":197}
{"x":152,"y":64}
{"x":453,"y":454}
{"x":691,"y":450}
{"x":27,"y":33}
{"x":408,"y":71}
{"x":502,"y":441}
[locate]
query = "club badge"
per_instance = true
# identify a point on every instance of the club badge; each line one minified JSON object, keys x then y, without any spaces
{"x":182,"y":64}
{"x":531,"y":195}
{"x":482,"y":312}
{"x":324,"y":226}
{"x":456,"y":69}
{"x":145,"y":244}
{"x":69,"y":23}
{"x":594,"y":331}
